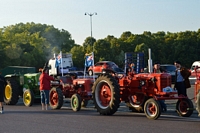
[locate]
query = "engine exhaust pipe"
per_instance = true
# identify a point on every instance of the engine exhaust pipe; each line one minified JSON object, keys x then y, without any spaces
{"x":150,"y":66}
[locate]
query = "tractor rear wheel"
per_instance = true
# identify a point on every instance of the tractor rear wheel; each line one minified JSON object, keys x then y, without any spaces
{"x":106,"y":94}
{"x":152,"y":109}
{"x":76,"y":102}
{"x":184,"y":107}
{"x":28,"y":97}
{"x":11,"y":94}
{"x":56,"y":98}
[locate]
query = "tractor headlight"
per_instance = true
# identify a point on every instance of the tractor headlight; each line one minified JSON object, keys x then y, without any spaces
{"x":80,"y":85}
{"x":142,"y":83}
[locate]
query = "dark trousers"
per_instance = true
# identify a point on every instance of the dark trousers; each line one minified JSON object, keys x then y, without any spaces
{"x":1,"y":93}
{"x":180,"y":87}
{"x":44,"y":96}
{"x":163,"y":105}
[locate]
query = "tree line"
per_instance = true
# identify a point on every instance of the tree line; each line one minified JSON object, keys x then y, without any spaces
{"x":34,"y":44}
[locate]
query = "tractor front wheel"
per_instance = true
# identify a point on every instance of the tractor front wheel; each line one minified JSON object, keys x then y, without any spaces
{"x":152,"y":109}
{"x":106,"y":94}
{"x":184,"y":107}
{"x":76,"y":102}
{"x":56,"y":98}
{"x":28,"y":97}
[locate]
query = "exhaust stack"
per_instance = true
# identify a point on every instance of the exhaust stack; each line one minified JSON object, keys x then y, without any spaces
{"x":150,"y":62}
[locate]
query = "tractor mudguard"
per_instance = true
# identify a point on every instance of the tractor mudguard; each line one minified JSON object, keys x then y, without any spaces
{"x":25,"y":87}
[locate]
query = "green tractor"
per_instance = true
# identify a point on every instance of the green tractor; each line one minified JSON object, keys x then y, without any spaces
{"x":22,"y":85}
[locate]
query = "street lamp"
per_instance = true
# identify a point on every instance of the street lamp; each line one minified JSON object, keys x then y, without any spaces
{"x":91,"y":14}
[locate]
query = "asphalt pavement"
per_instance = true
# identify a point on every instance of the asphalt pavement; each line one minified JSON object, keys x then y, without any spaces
{"x":18,"y":119}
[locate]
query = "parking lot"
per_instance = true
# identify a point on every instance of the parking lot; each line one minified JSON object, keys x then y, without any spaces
{"x":18,"y":118}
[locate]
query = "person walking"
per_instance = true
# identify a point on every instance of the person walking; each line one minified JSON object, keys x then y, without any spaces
{"x":182,"y":81}
{"x":2,"y":88}
{"x":45,"y":87}
{"x":158,"y":69}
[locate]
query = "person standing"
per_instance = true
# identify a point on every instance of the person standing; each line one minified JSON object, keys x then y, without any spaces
{"x":131,"y":69}
{"x":182,"y":81}
{"x":45,"y":86}
{"x":2,"y":88}
{"x":157,"y":69}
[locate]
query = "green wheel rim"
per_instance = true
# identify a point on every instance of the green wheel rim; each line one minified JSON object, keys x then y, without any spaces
{"x":75,"y":102}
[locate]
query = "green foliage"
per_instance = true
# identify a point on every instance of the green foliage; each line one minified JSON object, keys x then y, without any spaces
{"x":33,"y":44}
{"x":78,"y":56}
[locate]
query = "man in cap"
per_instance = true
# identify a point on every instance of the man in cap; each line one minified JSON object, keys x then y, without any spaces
{"x":181,"y":78}
{"x":157,"y":68}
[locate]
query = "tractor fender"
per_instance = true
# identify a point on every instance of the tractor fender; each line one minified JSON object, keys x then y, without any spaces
{"x":25,"y":87}
{"x":108,"y":71}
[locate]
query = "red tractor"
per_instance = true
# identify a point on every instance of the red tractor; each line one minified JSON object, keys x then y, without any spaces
{"x":67,"y":84}
{"x":141,"y":92}
{"x":79,"y":90}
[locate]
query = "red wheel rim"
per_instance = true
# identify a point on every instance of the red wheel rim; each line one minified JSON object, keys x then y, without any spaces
{"x":183,"y":107}
{"x":104,"y":95}
{"x":151,"y":109}
{"x":137,"y":99}
{"x":54,"y":98}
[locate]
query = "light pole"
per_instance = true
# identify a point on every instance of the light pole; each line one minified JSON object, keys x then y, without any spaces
{"x":91,"y":14}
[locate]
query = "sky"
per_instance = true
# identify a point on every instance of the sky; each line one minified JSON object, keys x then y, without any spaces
{"x":113,"y":16}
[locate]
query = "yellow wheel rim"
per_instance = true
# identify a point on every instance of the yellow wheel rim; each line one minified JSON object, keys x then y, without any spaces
{"x":27,"y":97}
{"x":8,"y":92}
